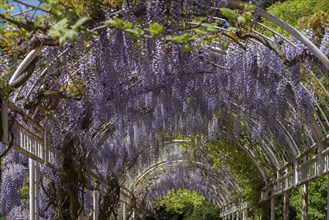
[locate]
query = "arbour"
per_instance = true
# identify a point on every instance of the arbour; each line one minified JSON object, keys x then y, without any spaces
{"x":109,"y":104}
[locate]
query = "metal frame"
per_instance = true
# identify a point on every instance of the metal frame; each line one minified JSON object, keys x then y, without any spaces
{"x":224,"y":193}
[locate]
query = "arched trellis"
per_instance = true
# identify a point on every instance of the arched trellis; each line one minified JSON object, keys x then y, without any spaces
{"x":316,"y":129}
{"x":221,"y":189}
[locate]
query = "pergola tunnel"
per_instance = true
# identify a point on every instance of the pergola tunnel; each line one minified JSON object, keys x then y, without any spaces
{"x":164,"y":109}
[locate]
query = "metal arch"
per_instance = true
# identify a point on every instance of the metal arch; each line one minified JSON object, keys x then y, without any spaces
{"x":160,"y":160}
{"x":269,"y":151}
{"x":254,"y":159}
{"x":180,"y":161}
{"x":290,"y":140}
{"x":312,"y":47}
{"x":253,"y":156}
{"x":14,"y":80}
{"x":280,"y":155}
{"x":218,"y":194}
{"x":164,"y":163}
{"x":221,"y":196}
{"x":266,"y":148}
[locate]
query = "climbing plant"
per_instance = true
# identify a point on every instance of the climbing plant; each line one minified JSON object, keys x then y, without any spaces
{"x":111,"y":84}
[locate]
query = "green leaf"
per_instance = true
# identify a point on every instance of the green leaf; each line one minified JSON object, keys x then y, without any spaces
{"x":199,"y":31}
{"x":187,"y":48}
{"x":155,"y":29}
{"x":177,"y":39}
{"x":223,"y":44}
{"x":39,"y":18}
{"x":228,"y":13}
{"x":250,"y":7}
{"x":80,"y":22}
{"x":188,"y":37}
{"x":167,"y":38}
{"x":47,"y":7}
{"x":247,"y":15}
{"x":183,"y":38}
{"x":117,"y":23}
{"x":128,"y":25}
{"x":209,"y":40}
{"x":6,"y":7}
{"x":53,"y":1}
{"x":61,"y":25}
{"x":232,"y":29}
{"x":70,"y":35}
{"x":139,"y":31}
{"x":210,"y":28}
{"x":59,"y":28}
{"x":135,"y":33}
{"x":108,"y":22}
{"x":54,"y":33}
{"x":241,"y":20}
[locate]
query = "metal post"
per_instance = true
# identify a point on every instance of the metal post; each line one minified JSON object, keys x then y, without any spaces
{"x":296,"y":172}
{"x":327,"y":196}
{"x":95,"y":205}
{"x":304,"y":202}
{"x":124,"y":211}
{"x":286,"y":206}
{"x":273,"y":208}
{"x":245,"y":214}
{"x":4,"y":122}
{"x":133,"y":214}
{"x":45,"y":148}
{"x":33,"y":190}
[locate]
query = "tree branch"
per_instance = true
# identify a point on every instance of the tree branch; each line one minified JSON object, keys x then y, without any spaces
{"x":31,"y":6}
{"x":269,"y":45}
{"x":18,"y":24}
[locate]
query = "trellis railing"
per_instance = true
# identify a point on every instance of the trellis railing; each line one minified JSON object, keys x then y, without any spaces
{"x":302,"y":171}
{"x":234,"y":211}
{"x":29,"y":138}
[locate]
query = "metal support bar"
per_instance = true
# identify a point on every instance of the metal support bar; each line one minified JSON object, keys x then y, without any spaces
{"x":327,"y":196}
{"x":273,"y":208}
{"x":132,"y":217}
{"x":4,"y":122}
{"x":245,"y":214}
{"x":304,"y":202}
{"x":286,"y":206}
{"x":33,"y":190}
{"x":124,"y":211}
{"x":95,"y":204}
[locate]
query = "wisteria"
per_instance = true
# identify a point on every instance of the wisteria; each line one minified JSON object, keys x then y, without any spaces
{"x":182,"y":177}
{"x":111,"y":103}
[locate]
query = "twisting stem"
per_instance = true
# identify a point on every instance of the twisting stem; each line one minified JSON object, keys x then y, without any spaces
{"x":272,"y":47}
